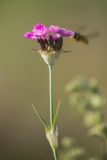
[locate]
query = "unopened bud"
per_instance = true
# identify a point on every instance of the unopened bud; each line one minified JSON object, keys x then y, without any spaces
{"x":52,"y":136}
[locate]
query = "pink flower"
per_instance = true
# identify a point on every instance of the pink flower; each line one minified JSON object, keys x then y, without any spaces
{"x":50,"y":39}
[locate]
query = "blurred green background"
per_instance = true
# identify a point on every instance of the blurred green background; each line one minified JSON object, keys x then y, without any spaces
{"x":24,"y":75}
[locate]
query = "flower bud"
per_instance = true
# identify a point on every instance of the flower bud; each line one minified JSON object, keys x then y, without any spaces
{"x":52,"y":136}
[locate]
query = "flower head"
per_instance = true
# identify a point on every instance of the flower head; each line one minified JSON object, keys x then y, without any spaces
{"x":50,"y":40}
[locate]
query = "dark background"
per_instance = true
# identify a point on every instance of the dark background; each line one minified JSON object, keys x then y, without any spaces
{"x":24,"y":75}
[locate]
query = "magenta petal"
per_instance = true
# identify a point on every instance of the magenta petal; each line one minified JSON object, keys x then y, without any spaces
{"x":30,"y":35}
{"x":40,"y":30}
{"x":53,"y":28}
{"x":65,"y":33}
{"x":61,"y":31}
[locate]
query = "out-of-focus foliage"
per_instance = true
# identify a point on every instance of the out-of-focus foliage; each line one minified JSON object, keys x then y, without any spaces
{"x":71,"y":150}
{"x":86,"y":97}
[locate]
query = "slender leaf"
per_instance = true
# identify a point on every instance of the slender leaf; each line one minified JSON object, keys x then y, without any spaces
{"x":56,"y":115}
{"x":39,"y":116}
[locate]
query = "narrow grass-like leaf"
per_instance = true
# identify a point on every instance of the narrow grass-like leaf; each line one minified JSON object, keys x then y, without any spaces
{"x":39,"y":116}
{"x":56,"y":115}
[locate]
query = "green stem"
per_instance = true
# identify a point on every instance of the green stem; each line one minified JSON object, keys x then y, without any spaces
{"x":55,"y":152}
{"x":51,"y":96}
